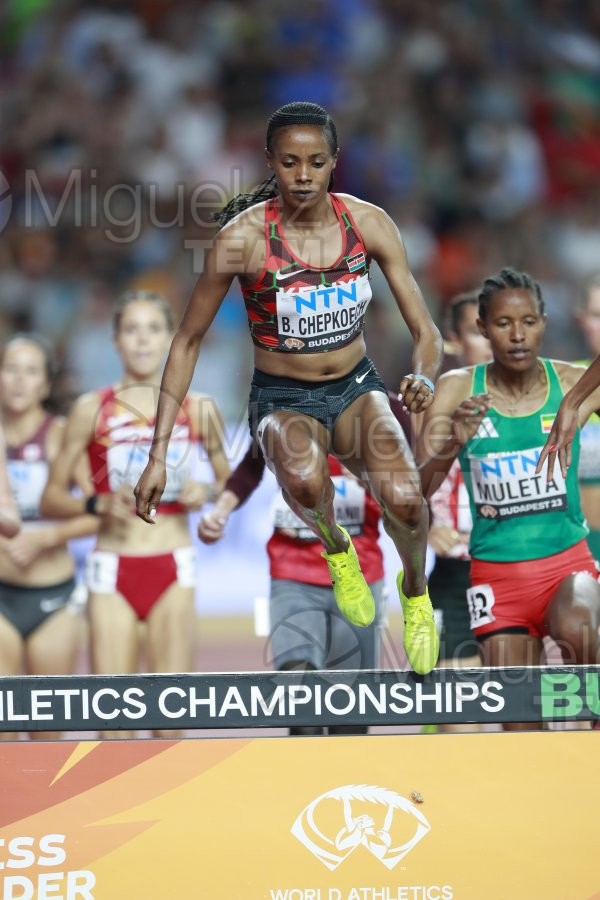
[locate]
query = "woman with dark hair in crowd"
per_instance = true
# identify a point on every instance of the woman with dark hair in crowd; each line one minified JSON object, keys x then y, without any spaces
{"x":134,"y":575}
{"x":532,"y":573}
{"x":40,"y":633}
{"x":301,"y":254}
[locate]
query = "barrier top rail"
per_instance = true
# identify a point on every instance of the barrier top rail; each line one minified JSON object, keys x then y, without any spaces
{"x":283,"y":699}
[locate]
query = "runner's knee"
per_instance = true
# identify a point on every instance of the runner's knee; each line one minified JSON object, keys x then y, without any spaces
{"x":403,"y":503}
{"x":308,"y":489}
{"x":577,"y":638}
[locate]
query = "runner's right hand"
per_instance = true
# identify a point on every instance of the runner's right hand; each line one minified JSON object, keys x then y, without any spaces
{"x":211,"y":526}
{"x":149,"y":490}
{"x":468,"y":417}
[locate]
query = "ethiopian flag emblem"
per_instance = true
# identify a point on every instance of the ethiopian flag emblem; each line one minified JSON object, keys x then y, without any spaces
{"x":547,"y":421}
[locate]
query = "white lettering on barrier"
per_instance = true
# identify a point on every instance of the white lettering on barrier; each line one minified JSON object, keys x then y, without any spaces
{"x":300,"y":694}
{"x":258,"y":701}
{"x":217,"y":701}
{"x":167,"y":710}
{"x":130,"y":704}
{"x":38,"y":703}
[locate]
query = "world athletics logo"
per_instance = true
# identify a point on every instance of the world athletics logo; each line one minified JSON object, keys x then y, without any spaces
{"x":336,"y":823}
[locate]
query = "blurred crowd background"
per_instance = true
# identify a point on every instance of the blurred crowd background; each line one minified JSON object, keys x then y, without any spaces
{"x":124,"y":124}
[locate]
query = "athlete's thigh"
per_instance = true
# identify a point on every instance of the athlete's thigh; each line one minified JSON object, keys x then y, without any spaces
{"x":460,"y":662}
{"x":370,"y":442}
{"x":578,"y":597}
{"x":12,"y":648}
{"x":512,"y":649}
{"x":170,"y":631}
{"x":292,"y":443}
{"x":52,"y":648}
{"x":572,"y":618}
{"x":113,"y":634}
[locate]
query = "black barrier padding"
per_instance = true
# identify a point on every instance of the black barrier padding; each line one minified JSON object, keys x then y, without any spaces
{"x":286,"y":699}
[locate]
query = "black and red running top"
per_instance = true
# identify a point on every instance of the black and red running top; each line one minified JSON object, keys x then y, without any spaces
{"x":297,"y":308}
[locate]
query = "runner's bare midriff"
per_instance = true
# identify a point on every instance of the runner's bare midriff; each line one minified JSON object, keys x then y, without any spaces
{"x":311,"y":366}
{"x":134,"y":538}
{"x":51,"y":567}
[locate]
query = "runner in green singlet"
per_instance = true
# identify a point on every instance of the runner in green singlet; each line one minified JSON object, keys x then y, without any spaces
{"x":532,"y":573}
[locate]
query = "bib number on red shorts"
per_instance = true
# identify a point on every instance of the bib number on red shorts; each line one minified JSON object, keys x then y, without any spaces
{"x":481,"y":602}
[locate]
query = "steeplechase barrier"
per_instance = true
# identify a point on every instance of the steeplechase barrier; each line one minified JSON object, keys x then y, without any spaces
{"x":283,"y":699}
{"x":392,"y":816}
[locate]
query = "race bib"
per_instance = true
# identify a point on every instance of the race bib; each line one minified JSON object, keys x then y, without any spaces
{"x":504,"y":486}
{"x":126,"y":462}
{"x":481,"y":604}
{"x":312,"y":317}
{"x":27,"y":482}
{"x":349,"y":505}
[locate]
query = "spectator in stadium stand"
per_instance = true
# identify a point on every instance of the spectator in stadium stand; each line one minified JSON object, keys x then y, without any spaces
{"x":135,"y":575}
{"x":532,"y":573}
{"x":302,"y":254}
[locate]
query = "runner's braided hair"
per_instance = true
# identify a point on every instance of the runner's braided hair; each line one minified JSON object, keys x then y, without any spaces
{"x":506,"y":279}
{"x":297,"y":113}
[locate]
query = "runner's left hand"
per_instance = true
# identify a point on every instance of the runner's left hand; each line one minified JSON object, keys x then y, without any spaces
{"x":414,"y":394}
{"x":559,"y":441}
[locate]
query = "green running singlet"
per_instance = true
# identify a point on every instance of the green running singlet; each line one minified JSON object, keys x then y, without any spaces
{"x":517,"y":516}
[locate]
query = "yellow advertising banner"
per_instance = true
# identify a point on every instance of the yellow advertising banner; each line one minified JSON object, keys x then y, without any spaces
{"x":398,"y":817}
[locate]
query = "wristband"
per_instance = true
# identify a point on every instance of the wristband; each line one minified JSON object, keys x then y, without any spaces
{"x":426,"y":381}
{"x":91,"y":505}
